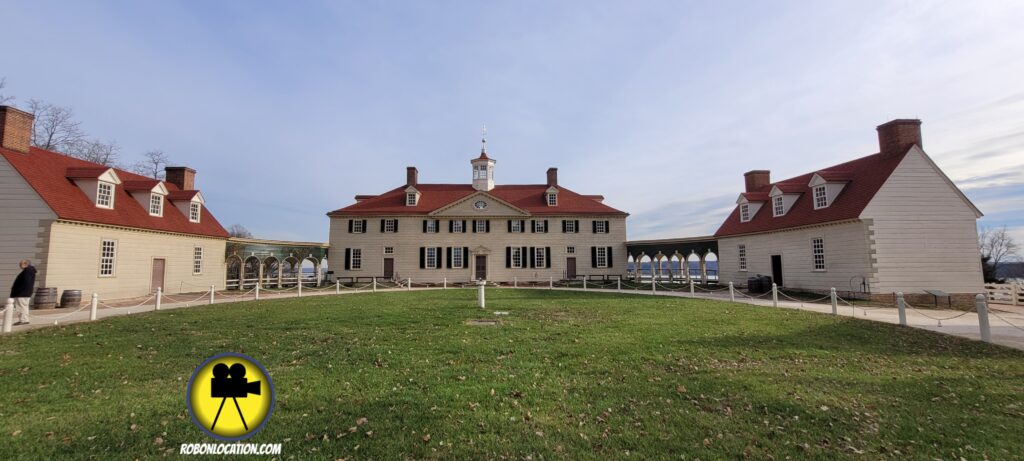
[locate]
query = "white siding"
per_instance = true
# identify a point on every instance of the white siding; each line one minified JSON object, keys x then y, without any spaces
{"x":846,"y":256}
{"x":925,"y":234}
{"x":24,"y":221}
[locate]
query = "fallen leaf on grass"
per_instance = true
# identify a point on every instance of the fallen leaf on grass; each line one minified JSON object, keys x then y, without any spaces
{"x":425,"y":438}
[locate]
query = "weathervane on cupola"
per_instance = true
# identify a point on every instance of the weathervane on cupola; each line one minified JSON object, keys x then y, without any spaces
{"x":483,"y":166}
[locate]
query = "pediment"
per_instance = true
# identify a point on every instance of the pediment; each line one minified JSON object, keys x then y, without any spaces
{"x":492,"y":206}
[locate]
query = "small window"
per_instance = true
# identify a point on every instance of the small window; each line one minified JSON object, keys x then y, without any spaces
{"x":356,"y":259}
{"x":389,"y":250}
{"x":197,"y":260}
{"x":480,"y":172}
{"x":457,"y":258}
{"x":818,"y":249}
{"x":193,"y":211}
{"x":778,"y":208}
{"x":156,"y":205}
{"x":431,"y":226}
{"x":517,"y":225}
{"x":820,"y":197}
{"x":410,"y":199}
{"x":539,"y":255}
{"x":570,"y":250}
{"x":538,"y":226}
{"x":517,"y":257}
{"x":390,"y":225}
{"x":357,"y":226}
{"x":108,"y":256}
{"x":741,"y":252}
{"x":600,"y":227}
{"x":431,"y":258}
{"x":602,"y":257}
{"x":744,"y":212}
{"x":552,"y":199}
{"x":457,"y":226}
{"x":105,"y":195}
{"x":481,"y":226}
{"x":570,"y":226}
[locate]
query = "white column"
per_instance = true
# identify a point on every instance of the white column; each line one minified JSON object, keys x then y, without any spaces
{"x":835,"y":303}
{"x":982,"y":305}
{"x":775,"y":295}
{"x":159,"y":296}
{"x":212,"y":290}
{"x":902,"y":307}
{"x":9,"y":315}
{"x":732,"y":293}
{"x":93,"y":305}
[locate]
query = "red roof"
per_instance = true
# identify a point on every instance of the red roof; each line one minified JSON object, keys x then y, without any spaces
{"x":864,"y":176}
{"x":529,"y":197}
{"x":47,"y":172}
{"x":85,"y":172}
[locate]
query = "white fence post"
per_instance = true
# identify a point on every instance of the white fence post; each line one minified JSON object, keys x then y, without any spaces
{"x":584,"y":283}
{"x":9,"y":315}
{"x":835,"y":303}
{"x":551,"y":283}
{"x":982,"y":305}
{"x":515,"y":282}
{"x":445,"y":286}
{"x":901,"y":305}
{"x":732,"y":293}
{"x":300,"y":287}
{"x":1014,"y":292}
{"x":93,"y":305}
{"x":375,"y":284}
{"x":159,"y":296}
{"x":654,"y":285}
{"x":618,"y":284}
{"x":337,"y":287}
{"x":691,"y":288}
{"x":257,"y":291}
{"x":410,"y":284}
{"x":213,"y":289}
{"x":775,"y":295}
{"x":480,"y":296}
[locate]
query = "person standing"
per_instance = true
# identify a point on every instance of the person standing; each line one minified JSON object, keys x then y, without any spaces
{"x":21,"y":291}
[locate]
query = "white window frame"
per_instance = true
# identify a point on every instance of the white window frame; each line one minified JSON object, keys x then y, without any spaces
{"x":552,"y":199}
{"x":570,"y":226}
{"x":108,"y":259}
{"x":539,"y":257}
{"x":410,"y":199}
{"x":432,"y":226}
{"x":741,"y":254}
{"x":457,"y":226}
{"x":480,"y":172}
{"x":818,"y":253}
{"x":744,"y":212}
{"x":430,"y":258}
{"x":104,"y":195}
{"x":389,"y":226}
{"x":601,"y":257}
{"x":820,"y":197}
{"x":601,"y":229}
{"x":156,"y":205}
{"x":457,"y":258}
{"x":194,"y":211}
{"x":517,"y":257}
{"x":197,"y":260}
{"x":389,"y":250}
{"x":778,"y":206}
{"x":517,"y":226}
{"x":481,"y":226}
{"x":357,"y":226}
{"x":538,"y":226}
{"x":570,"y":250}
{"x":355,"y":259}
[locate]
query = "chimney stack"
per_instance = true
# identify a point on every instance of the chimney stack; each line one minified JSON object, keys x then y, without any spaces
{"x":412,"y":176}
{"x":757,"y":179}
{"x":15,"y":129}
{"x":897,"y":136}
{"x":181,"y":176}
{"x":552,"y":177}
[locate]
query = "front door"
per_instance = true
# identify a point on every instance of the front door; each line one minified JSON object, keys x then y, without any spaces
{"x":389,"y":268}
{"x":777,"y":269}
{"x":570,"y":268}
{"x":158,"y":275}
{"x":481,"y":267}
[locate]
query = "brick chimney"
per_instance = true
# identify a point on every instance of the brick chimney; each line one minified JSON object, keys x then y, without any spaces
{"x":181,"y":176}
{"x":896,"y":137}
{"x":412,"y":176}
{"x":15,"y":129}
{"x":552,"y":177}
{"x":757,"y":179}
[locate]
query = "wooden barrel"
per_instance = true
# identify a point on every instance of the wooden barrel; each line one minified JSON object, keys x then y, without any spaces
{"x":71,"y":298}
{"x":46,"y":298}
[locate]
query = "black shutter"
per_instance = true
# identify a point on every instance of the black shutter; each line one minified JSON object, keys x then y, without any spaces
{"x":451,"y":226}
{"x":396,"y":225}
{"x":533,"y":258}
{"x":438,"y":264}
{"x":609,"y":250}
{"x":382,"y":226}
{"x":474,"y":226}
{"x":577,"y":226}
{"x":348,"y":258}
{"x":510,"y":226}
{"x":533,"y":225}
{"x":508,"y":256}
{"x":424,"y":226}
{"x":350,"y":226}
{"x":523,"y":252}
{"x":423,"y":258}
{"x":547,"y":257}
{"x":545,"y":226}
{"x":465,"y":257}
{"x":487,"y":226}
{"x":607,"y":229}
{"x":463,"y":226}
{"x":449,"y":258}
{"x":364,"y":226}
{"x":593,"y":226}
{"x":593,"y":257}
{"x":564,"y":225}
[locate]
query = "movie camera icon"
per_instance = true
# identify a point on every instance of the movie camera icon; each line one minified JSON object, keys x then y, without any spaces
{"x":231,"y":383}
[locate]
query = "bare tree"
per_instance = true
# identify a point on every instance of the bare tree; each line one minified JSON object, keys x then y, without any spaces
{"x":96,"y":151}
{"x":152,"y":164}
{"x":55,"y":127}
{"x":4,"y":99}
{"x":238,"y":230}
{"x":997,"y":248}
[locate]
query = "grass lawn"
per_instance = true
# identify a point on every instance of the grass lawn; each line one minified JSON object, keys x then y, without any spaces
{"x":567,"y":375}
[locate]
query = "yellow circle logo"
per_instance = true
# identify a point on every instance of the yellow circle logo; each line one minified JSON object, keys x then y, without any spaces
{"x":230,"y":396}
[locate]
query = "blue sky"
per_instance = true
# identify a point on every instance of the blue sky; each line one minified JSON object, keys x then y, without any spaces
{"x":288,"y":109}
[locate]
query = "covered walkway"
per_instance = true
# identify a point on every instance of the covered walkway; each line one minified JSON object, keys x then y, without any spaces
{"x":274,"y":263}
{"x":678,"y":260}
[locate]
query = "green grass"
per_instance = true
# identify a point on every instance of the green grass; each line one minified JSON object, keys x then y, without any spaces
{"x":568,"y":375}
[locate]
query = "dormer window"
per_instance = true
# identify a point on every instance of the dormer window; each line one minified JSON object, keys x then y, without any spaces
{"x":194,"y":209}
{"x":156,"y":205}
{"x":745,"y":212}
{"x":778,"y":206}
{"x":104,"y":195}
{"x":820,"y":197}
{"x":410,"y":199}
{"x":552,"y":199}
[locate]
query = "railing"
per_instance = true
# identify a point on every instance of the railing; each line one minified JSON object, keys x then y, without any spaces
{"x":1005,"y":293}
